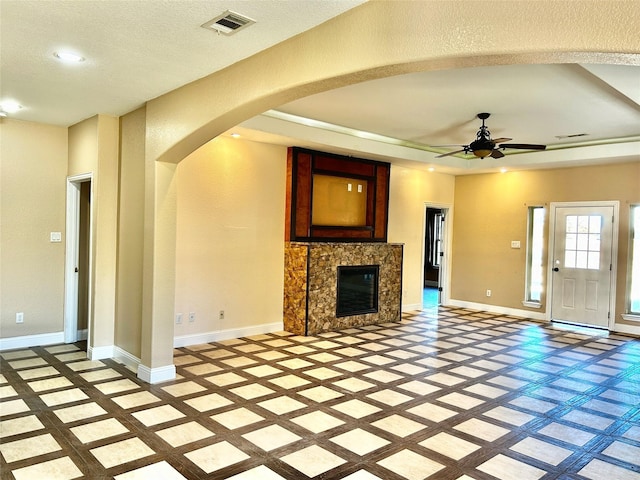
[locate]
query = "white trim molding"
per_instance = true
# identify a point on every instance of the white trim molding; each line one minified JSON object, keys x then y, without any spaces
{"x":156,"y":375}
{"x":208,"y":337}
{"x":527,"y":303}
{"x":100,"y":353}
{"x":630,"y":317}
{"x":411,"y":307}
{"x":628,"y":329}
{"x":516,"y":312}
{"x":126,"y":358}
{"x":28,"y":341}
{"x":71,"y":255}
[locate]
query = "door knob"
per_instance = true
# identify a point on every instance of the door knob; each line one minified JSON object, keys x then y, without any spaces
{"x":556,"y":269}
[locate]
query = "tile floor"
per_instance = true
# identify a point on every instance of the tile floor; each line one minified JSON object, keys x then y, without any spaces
{"x":448,"y":394}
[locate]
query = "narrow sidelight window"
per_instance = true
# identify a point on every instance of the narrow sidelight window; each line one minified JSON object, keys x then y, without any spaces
{"x":633,"y":305}
{"x":535,"y":250}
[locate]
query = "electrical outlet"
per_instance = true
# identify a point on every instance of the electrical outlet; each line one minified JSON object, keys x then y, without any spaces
{"x":488,"y":293}
{"x":221,"y":315}
{"x":192,"y":317}
{"x":178,"y":318}
{"x":20,"y":317}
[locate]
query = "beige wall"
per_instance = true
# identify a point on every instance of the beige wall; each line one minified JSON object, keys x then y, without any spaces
{"x":130,"y":233}
{"x":410,"y":191}
{"x":230,"y":231}
{"x":93,"y":148}
{"x":230,"y":236}
{"x":33,"y":166}
{"x":83,"y":147}
{"x":491,"y":211}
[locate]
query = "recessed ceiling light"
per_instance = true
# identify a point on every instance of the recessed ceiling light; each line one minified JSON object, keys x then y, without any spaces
{"x":235,"y":135}
{"x":431,"y":169}
{"x":503,"y":170}
{"x":69,"y":57}
{"x":10,"y":106}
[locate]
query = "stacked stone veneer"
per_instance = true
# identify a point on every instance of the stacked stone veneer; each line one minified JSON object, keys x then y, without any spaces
{"x":310,"y":284}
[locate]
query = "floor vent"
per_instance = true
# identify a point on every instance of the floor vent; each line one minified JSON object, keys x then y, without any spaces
{"x":228,"y":23}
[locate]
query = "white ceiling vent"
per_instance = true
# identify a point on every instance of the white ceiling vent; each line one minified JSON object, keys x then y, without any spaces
{"x":228,"y":23}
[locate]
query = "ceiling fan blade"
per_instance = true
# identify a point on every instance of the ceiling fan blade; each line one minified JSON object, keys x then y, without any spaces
{"x":500,"y":140}
{"x":451,"y":153}
{"x":523,"y":146}
{"x":496,"y":154}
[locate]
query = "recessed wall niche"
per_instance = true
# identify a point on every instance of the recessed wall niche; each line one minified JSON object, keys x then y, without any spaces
{"x":335,"y":198}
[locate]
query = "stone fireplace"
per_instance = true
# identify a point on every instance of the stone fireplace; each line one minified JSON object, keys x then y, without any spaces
{"x":371,"y":273}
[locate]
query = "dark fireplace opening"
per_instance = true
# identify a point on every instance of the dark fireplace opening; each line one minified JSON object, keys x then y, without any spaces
{"x":357,"y":290}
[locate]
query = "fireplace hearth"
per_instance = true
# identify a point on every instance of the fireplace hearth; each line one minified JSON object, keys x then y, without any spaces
{"x":314,"y":271}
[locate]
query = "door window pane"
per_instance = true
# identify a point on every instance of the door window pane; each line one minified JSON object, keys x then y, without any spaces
{"x":583,"y":224}
{"x":581,"y":259}
{"x":582,"y":241}
{"x":570,"y":259}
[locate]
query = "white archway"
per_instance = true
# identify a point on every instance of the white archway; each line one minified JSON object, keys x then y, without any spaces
{"x":374,"y":40}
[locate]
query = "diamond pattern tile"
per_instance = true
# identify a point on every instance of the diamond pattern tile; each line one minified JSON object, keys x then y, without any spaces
{"x":444,"y":394}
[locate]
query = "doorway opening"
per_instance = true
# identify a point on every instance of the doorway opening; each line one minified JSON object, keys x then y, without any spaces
{"x":78,"y":259}
{"x":434,"y":264}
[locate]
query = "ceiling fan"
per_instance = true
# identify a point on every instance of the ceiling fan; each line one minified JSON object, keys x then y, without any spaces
{"x":484,"y":146}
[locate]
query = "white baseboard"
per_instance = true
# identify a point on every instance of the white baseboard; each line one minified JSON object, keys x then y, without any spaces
{"x":100,"y":353}
{"x":630,"y":329}
{"x":28,"y":341}
{"x":156,"y":375}
{"x":411,"y":307}
{"x":126,"y":358}
{"x":516,"y":312}
{"x":200,"y":338}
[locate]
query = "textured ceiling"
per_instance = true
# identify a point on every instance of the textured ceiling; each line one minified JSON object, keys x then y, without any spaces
{"x":138,"y":50}
{"x":135,"y":50}
{"x":583,"y":113}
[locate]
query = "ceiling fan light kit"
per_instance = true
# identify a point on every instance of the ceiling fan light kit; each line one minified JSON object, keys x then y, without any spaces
{"x":484,"y":146}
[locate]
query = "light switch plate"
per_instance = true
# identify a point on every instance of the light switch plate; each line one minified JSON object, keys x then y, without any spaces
{"x":55,"y":237}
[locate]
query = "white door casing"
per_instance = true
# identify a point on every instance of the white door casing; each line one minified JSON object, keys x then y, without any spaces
{"x":72,"y":249}
{"x":582,"y":263}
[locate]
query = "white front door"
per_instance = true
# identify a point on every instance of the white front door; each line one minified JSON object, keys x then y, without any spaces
{"x":582,"y":265}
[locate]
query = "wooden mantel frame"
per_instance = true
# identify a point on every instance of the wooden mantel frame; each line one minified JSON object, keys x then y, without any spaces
{"x":302,"y":164}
